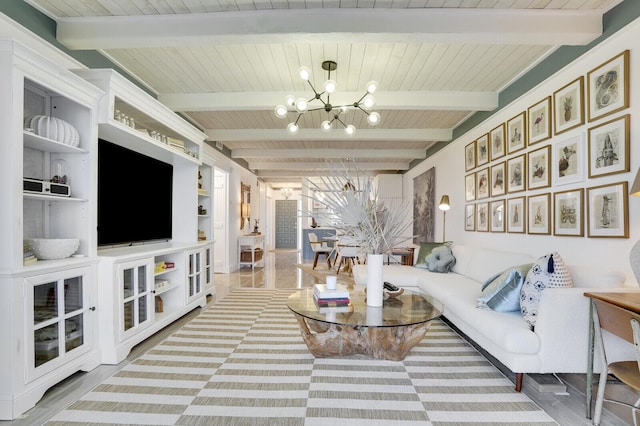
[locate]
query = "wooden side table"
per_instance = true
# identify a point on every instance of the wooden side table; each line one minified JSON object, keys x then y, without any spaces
{"x":405,"y":253}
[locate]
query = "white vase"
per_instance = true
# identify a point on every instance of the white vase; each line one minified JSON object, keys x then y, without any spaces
{"x":374,"y":279}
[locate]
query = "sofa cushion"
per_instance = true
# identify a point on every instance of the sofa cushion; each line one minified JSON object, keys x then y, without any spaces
{"x":482,"y":263}
{"x":502,"y":292}
{"x":548,"y":271}
{"x":440,"y":260}
{"x":425,"y":250}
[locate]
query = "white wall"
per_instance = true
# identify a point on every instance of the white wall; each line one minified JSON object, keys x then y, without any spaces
{"x":613,"y":252}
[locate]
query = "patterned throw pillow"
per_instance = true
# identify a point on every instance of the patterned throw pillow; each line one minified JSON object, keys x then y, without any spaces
{"x":425,"y":250}
{"x":440,"y":260}
{"x":548,"y":271}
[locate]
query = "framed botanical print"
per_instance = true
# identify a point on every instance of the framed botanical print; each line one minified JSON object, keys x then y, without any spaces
{"x":608,"y":211}
{"x":470,"y":187}
{"x":496,"y":209}
{"x":608,"y":87}
{"x":470,"y":217}
{"x":568,"y":160}
{"x":539,"y":214}
{"x":609,"y":147}
{"x":539,"y":172}
{"x":482,"y":183}
{"x":568,"y":106}
{"x":516,"y":215}
{"x":516,"y":133}
{"x":482,"y":150}
{"x":498,"y":185}
{"x":496,"y":137}
{"x":567,"y":217}
{"x":539,"y":121}
{"x":482,"y":217}
{"x":470,"y":156}
{"x":516,"y":174}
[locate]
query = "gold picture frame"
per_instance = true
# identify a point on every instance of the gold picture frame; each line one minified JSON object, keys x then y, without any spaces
{"x":496,"y":210}
{"x":517,"y":133}
{"x":568,"y":213}
{"x":608,"y":211}
{"x":568,"y":106}
{"x":516,"y":215}
{"x":608,"y":87}
{"x":539,"y":171}
{"x":470,"y":156}
{"x":608,"y":146}
{"x":539,"y":214}
{"x":539,"y":121}
{"x":497,"y":139}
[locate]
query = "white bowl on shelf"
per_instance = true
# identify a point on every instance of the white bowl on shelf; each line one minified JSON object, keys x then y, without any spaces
{"x":53,"y":248}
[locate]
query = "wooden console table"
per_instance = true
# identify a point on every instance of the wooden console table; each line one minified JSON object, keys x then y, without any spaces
{"x":611,"y":312}
{"x":251,"y":243}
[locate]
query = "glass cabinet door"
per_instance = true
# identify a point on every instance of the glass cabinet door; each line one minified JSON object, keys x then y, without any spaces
{"x":135,"y":284}
{"x":195,"y":279}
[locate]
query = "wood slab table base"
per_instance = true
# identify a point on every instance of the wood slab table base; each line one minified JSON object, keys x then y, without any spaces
{"x":391,"y":343}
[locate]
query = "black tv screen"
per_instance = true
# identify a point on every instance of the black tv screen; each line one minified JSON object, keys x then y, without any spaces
{"x":134,"y":196}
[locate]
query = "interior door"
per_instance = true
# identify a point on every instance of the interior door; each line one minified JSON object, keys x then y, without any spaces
{"x":286,"y":224}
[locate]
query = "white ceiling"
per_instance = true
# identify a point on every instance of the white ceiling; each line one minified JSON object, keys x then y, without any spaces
{"x":225,"y":64}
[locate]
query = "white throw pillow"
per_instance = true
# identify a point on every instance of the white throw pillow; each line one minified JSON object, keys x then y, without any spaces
{"x":548,"y":271}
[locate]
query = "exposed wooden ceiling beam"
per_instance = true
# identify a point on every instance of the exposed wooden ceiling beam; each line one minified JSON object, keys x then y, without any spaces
{"x":222,"y":135}
{"x":328,"y":153}
{"x":455,"y":25}
{"x":320,"y":165}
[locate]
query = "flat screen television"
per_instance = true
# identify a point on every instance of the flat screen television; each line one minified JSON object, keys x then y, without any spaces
{"x":134,"y":196}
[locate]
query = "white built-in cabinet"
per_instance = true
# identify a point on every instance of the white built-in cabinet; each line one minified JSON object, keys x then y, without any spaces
{"x":47,"y":308}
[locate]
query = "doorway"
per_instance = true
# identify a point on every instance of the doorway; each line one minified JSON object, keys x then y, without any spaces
{"x":220,"y":221}
{"x":286,"y":224}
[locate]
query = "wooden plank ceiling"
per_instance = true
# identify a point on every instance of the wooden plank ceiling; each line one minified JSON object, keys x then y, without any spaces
{"x":226,"y":64}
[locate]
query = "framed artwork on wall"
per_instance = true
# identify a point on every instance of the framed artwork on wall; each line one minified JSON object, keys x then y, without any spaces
{"x":470,"y":187}
{"x":568,"y":106}
{"x":539,"y":120}
{"x":470,"y":217}
{"x":539,"y":214}
{"x":516,"y":215}
{"x":424,"y":204}
{"x":496,"y":137}
{"x":609,"y":147}
{"x":496,"y":208}
{"x":482,"y":217}
{"x":482,"y":150}
{"x":497,"y":179}
{"x":539,"y":161}
{"x":482,"y":183}
{"x":608,"y":211}
{"x":568,"y":160}
{"x":470,"y":156}
{"x":608,"y":87}
{"x":516,"y":133}
{"x":568,"y":213}
{"x":516,"y":174}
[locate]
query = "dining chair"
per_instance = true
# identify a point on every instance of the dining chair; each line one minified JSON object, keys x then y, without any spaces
{"x":320,"y":248}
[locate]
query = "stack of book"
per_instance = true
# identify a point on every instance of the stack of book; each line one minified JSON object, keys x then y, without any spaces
{"x":325,"y":298}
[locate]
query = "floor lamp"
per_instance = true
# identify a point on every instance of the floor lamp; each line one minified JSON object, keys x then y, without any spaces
{"x":444,"y":206}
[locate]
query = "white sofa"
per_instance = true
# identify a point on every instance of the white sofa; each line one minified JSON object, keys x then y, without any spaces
{"x":559,"y":341}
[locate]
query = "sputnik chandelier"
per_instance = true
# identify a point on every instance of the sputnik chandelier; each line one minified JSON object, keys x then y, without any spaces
{"x":301,"y":105}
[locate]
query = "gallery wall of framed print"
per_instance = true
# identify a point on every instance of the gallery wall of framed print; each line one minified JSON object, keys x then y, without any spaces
{"x":608,"y":211}
{"x":516,"y":215}
{"x":568,"y":160}
{"x":539,"y":172}
{"x":482,"y":217}
{"x":516,"y":174}
{"x":608,"y":145}
{"x":470,"y":217}
{"x":539,"y":121}
{"x":567,"y":217}
{"x":470,"y":156}
{"x":497,"y":179}
{"x":608,"y":87}
{"x":496,"y":137}
{"x":568,"y":106}
{"x":470,"y":187}
{"x":482,"y":150}
{"x":539,"y":214}
{"x":496,"y":209}
{"x":482,"y":183}
{"x":516,"y":133}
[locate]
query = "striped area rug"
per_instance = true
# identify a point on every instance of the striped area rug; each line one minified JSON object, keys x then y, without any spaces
{"x":243,"y":362}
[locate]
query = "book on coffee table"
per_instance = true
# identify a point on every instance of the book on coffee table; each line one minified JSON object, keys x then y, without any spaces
{"x":320,"y":291}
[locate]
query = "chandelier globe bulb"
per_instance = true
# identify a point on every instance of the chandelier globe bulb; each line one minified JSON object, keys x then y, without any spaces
{"x":292,"y":128}
{"x":280,"y":111}
{"x":368,"y":102}
{"x":373,"y":118}
{"x":326,"y":126}
{"x":304,"y":73}
{"x":290,"y":100}
{"x":350,"y":130}
{"x":330,"y":86}
{"x":301,"y":104}
{"x":372,"y":86}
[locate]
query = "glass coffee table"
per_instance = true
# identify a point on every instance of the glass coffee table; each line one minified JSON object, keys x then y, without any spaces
{"x":387,"y":332}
